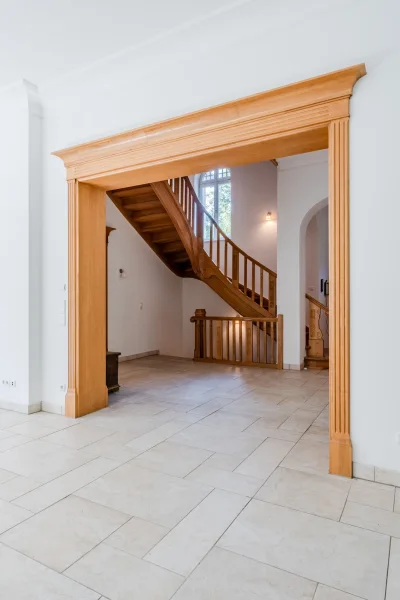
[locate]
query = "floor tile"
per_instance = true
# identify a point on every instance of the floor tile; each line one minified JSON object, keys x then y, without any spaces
{"x":17,"y":486}
{"x":6,"y":475}
{"x":226,"y":462}
{"x":13,"y":442}
{"x":372,"y":494}
{"x":223,"y":419}
{"x":386,"y":476}
{"x":209,"y":438}
{"x":42,"y":460}
{"x":9,"y":418}
{"x":397,"y":501}
{"x":350,"y":559}
{"x":393,"y":584}
{"x":316,"y":433}
{"x":56,"y":490}
{"x":374,"y":519}
{"x":78,"y":436}
{"x":172,"y":459}
{"x":262,"y":427}
{"x":54,"y":421}
{"x":314,"y":494}
{"x":137,"y":537}
{"x":265,"y":458}
{"x":227,"y":576}
{"x":121,"y":576}
{"x":32,"y":429}
{"x":210,"y":407}
{"x":24,"y":579}
{"x":5,"y":434}
{"x":185,"y":546}
{"x":299,"y":421}
{"x":110,"y":448}
{"x":308,"y":456}
{"x":149,"y":495}
{"x":64,"y":532}
{"x":328,"y":593}
{"x":158,"y":435}
{"x":11,"y":515}
{"x":225,"y":480}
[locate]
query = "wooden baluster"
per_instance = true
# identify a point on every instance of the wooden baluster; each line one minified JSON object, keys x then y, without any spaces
{"x":234,"y":341}
{"x":245,"y":275}
{"x":211,"y":239}
{"x":258,"y":324}
{"x":211,"y":341}
{"x":235,"y":267}
{"x":199,"y":333}
{"x":272,"y":295}
{"x":280,"y":342}
{"x":241,"y":340}
{"x":261,"y":287}
{"x":218,"y":249}
{"x":253,"y":280}
{"x":316,"y":338}
{"x":273,"y":359}
{"x":226,"y":258}
{"x":200,"y":224}
{"x":205,"y":340}
{"x":265,"y":343}
{"x":249,"y":341}
{"x":228,"y":340}
{"x":219,"y":340}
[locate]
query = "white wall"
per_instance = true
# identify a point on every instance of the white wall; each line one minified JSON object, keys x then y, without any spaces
{"x":254,"y":190}
{"x":20,"y":248}
{"x":270,"y":45}
{"x":145,"y":307}
{"x":302,"y":191}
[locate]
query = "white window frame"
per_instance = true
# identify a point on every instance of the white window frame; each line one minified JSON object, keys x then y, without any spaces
{"x":220,"y":175}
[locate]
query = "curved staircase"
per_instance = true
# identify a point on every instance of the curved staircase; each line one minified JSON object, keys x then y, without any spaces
{"x":171,"y":219}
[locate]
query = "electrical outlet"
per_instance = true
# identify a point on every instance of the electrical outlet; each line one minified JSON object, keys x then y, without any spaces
{"x":63,"y":387}
{"x":13,"y":383}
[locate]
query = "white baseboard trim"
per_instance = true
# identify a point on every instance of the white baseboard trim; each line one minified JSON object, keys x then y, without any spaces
{"x":26,"y":409}
{"x":139,"y":355}
{"x":289,"y":367}
{"x":371,"y":473}
{"x":56,"y":409}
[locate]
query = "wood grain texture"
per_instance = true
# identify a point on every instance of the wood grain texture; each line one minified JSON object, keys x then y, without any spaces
{"x":339,"y":299}
{"x":87,"y":390}
{"x":280,"y":122}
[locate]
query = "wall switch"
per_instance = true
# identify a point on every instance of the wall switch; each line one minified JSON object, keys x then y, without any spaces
{"x":13,"y":383}
{"x":63,"y":387}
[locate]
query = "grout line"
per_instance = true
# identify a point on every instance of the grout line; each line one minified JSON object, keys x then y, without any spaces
{"x":388,"y":566}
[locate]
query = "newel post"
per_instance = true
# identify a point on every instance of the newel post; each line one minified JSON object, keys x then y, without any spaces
{"x":200,"y":333}
{"x":339,"y":300}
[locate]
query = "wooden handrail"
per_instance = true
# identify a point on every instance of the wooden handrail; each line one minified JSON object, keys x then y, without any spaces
{"x":245,"y":341}
{"x":318,"y":303}
{"x":259,"y":274}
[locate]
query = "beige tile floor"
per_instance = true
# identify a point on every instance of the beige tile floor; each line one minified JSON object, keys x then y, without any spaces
{"x":198,"y":482}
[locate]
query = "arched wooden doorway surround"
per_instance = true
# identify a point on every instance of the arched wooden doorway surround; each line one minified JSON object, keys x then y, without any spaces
{"x":302,"y":117}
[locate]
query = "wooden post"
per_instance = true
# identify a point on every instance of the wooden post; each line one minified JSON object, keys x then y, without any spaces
{"x":108,"y":231}
{"x":280,"y":342}
{"x":272,"y":295}
{"x":200,"y":344}
{"x":218,"y":336}
{"x":249,"y":341}
{"x":235,"y":267}
{"x":316,"y":338}
{"x":341,"y":456}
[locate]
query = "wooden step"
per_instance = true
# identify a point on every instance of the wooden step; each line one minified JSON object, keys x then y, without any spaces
{"x":168,"y":235}
{"x":141,"y":205}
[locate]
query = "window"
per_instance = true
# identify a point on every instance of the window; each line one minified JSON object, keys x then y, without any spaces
{"x":215,"y":195}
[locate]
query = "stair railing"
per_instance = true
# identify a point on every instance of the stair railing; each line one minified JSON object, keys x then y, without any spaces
{"x":315,"y":344}
{"x":248,"y":275}
{"x":239,"y":341}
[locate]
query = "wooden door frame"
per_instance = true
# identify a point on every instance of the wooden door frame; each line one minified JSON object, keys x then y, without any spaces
{"x":301,"y":117}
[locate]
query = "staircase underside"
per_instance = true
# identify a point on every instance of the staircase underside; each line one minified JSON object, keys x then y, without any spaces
{"x":152,"y":209}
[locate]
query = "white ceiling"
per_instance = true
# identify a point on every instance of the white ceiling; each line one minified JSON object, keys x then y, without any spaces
{"x":43,"y":39}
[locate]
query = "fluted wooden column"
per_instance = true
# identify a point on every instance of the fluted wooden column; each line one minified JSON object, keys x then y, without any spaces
{"x":87,"y":390}
{"x":339,"y":299}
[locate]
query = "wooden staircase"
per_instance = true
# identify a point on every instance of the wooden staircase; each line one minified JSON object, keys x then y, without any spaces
{"x":171,"y":219}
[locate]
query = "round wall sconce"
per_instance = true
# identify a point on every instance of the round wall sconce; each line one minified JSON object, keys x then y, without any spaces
{"x":268,"y":217}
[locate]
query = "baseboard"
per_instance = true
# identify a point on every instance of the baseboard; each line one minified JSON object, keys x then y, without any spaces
{"x":139,"y":355}
{"x":289,"y":367}
{"x":26,"y":409}
{"x":371,"y":473}
{"x":56,"y":409}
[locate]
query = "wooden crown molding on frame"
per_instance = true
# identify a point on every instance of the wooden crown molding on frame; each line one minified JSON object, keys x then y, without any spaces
{"x":289,"y":119}
{"x":301,"y":117}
